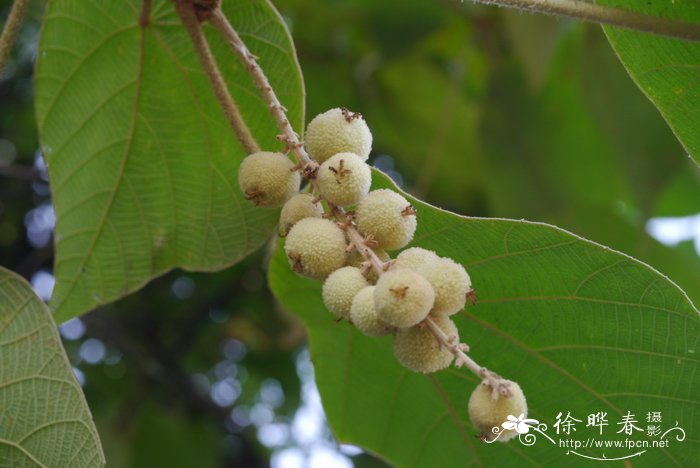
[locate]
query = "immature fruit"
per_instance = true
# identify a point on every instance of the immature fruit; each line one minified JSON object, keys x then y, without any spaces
{"x":403,"y":297}
{"x":340,"y":288}
{"x":268,"y":179}
{"x":486,"y":413}
{"x":364,"y":315}
{"x":418,"y":349}
{"x":344,"y":179}
{"x":315,"y":247}
{"x":337,"y":131}
{"x":451,"y":283}
{"x":298,"y":207}
{"x":415,"y":258}
{"x":387,"y":217}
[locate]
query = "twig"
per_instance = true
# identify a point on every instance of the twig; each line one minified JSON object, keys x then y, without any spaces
{"x":589,"y":11}
{"x":186,"y":11}
{"x":12,"y":27}
{"x":221,"y":23}
{"x":497,"y":383}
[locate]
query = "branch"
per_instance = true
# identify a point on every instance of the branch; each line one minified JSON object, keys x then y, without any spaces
{"x":499,"y":385}
{"x":189,"y":19}
{"x":12,"y":27}
{"x":221,"y":23}
{"x":588,"y":11}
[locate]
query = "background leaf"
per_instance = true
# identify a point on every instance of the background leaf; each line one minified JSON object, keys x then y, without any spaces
{"x":142,"y":162}
{"x":667,"y":70}
{"x":580,"y":327}
{"x":44,"y":419}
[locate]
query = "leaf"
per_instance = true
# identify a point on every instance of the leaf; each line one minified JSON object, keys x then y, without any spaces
{"x":141,"y":160}
{"x":588,"y":111}
{"x":582,"y":329}
{"x":667,"y":70}
{"x":44,"y":418}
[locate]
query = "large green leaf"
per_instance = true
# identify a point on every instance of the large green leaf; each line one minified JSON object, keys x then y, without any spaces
{"x":666,"y":70}
{"x":141,"y":160}
{"x":582,"y":328}
{"x":44,"y":419}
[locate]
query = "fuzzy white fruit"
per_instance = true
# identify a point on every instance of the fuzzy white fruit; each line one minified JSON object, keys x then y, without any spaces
{"x":450,"y":282}
{"x":415,"y":258}
{"x":268,"y":179}
{"x":298,"y":207}
{"x":315,"y":247}
{"x":363,"y":314}
{"x":337,"y":131}
{"x":340,"y":288}
{"x":486,"y":413}
{"x":387,"y":217}
{"x":417,"y":349}
{"x":403,"y":298}
{"x":344,"y":179}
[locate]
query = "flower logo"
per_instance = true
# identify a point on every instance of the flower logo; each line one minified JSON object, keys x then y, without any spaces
{"x":519,"y":424}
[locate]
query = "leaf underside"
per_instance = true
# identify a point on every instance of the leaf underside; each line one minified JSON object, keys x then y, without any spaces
{"x":141,"y":160}
{"x":44,"y":419}
{"x":667,"y":70}
{"x":580,"y":327}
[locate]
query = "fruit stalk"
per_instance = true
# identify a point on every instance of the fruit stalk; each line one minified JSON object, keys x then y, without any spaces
{"x":291,"y":139}
{"x":498,"y":384}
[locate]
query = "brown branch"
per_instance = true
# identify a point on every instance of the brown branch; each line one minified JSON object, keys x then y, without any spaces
{"x":588,"y":11}
{"x":189,"y":19}
{"x":11,"y":29}
{"x":221,"y":23}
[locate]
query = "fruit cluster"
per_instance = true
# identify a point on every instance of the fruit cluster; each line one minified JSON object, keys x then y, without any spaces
{"x":339,"y":231}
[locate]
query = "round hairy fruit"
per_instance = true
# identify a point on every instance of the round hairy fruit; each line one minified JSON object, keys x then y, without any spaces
{"x":387,"y":217}
{"x":268,"y":179}
{"x":340,"y":288}
{"x":315,"y":247}
{"x":451,"y":283}
{"x":344,"y":179}
{"x":298,"y":207}
{"x":415,"y":258}
{"x":403,"y":298}
{"x":337,"y":131}
{"x":486,"y":413}
{"x":364,"y":315}
{"x":417,"y":349}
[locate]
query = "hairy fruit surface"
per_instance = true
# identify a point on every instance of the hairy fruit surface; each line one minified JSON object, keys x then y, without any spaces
{"x":344,"y":179}
{"x":387,"y":217}
{"x":337,"y":131}
{"x":486,"y":413}
{"x":364,"y":315}
{"x":268,"y":179}
{"x":340,"y":288}
{"x":403,"y":298}
{"x":417,"y":349}
{"x":415,"y":258}
{"x":451,"y":283}
{"x":298,"y":207}
{"x":315,"y":247}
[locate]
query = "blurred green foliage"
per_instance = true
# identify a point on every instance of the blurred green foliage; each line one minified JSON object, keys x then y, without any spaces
{"x":482,"y":111}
